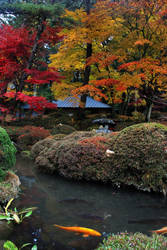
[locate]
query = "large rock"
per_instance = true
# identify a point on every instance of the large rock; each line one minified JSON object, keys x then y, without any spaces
{"x":9,"y":188}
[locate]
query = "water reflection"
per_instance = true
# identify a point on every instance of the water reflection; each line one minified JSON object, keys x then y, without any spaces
{"x":69,"y":203}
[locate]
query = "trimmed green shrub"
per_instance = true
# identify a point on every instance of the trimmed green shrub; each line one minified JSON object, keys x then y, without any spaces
{"x":7,"y":153}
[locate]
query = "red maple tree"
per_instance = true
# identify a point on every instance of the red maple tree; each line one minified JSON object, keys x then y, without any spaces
{"x":22,"y":66}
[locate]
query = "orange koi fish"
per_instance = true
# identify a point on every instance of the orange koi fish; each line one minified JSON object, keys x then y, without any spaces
{"x":163,"y":230}
{"x":83,"y":230}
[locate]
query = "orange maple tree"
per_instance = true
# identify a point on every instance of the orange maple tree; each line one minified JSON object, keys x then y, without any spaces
{"x":128,"y":50}
{"x":80,"y":43}
{"x":136,"y":53}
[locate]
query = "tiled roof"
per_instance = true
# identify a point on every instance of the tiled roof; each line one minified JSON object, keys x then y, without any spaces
{"x":73,"y":102}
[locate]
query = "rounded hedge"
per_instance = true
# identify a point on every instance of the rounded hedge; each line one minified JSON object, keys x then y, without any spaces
{"x":141,"y":156}
{"x":7,"y":153}
{"x":139,"y":159}
{"x":77,"y":160}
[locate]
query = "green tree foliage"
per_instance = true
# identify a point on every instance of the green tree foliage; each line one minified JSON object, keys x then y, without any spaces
{"x":71,"y":4}
{"x":31,"y":14}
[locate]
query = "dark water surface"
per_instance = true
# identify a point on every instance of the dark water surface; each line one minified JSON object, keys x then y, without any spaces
{"x":69,"y":203}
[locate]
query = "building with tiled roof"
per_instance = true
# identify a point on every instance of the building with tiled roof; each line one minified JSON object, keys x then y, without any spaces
{"x":73,"y":102}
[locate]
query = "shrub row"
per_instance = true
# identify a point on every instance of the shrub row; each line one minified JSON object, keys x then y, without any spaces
{"x":140,"y":157}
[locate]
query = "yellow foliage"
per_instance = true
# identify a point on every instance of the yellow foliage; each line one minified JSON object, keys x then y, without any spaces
{"x":63,"y":89}
{"x":75,"y":15}
{"x":130,"y":32}
{"x":93,"y":28}
{"x":29,"y":93}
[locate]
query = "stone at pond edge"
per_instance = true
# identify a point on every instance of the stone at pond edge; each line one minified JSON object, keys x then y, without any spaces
{"x":9,"y":188}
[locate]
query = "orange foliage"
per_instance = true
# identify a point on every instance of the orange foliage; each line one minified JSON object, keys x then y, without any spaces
{"x":128,"y":48}
{"x":143,"y":42}
{"x":105,"y":82}
{"x":102,"y":58}
{"x":90,"y":90}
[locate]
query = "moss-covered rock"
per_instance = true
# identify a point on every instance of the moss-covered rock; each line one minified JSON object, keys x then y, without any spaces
{"x":7,"y":153}
{"x":9,"y":188}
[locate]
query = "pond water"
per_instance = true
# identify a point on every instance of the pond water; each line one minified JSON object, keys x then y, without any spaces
{"x":91,"y":205}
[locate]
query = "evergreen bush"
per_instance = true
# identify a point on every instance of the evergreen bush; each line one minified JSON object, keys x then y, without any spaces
{"x":140,"y":157}
{"x":7,"y":153}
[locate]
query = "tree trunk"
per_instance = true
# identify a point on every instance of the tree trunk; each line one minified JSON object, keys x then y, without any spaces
{"x":122,"y":106}
{"x":126,"y":100}
{"x":126,"y":105}
{"x":20,"y":87}
{"x":88,"y":54}
{"x":40,"y":30}
{"x":149,"y":106}
{"x":86,"y":74}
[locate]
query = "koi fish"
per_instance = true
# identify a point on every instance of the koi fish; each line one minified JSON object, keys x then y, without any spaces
{"x":163,"y":230}
{"x":83,"y":230}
